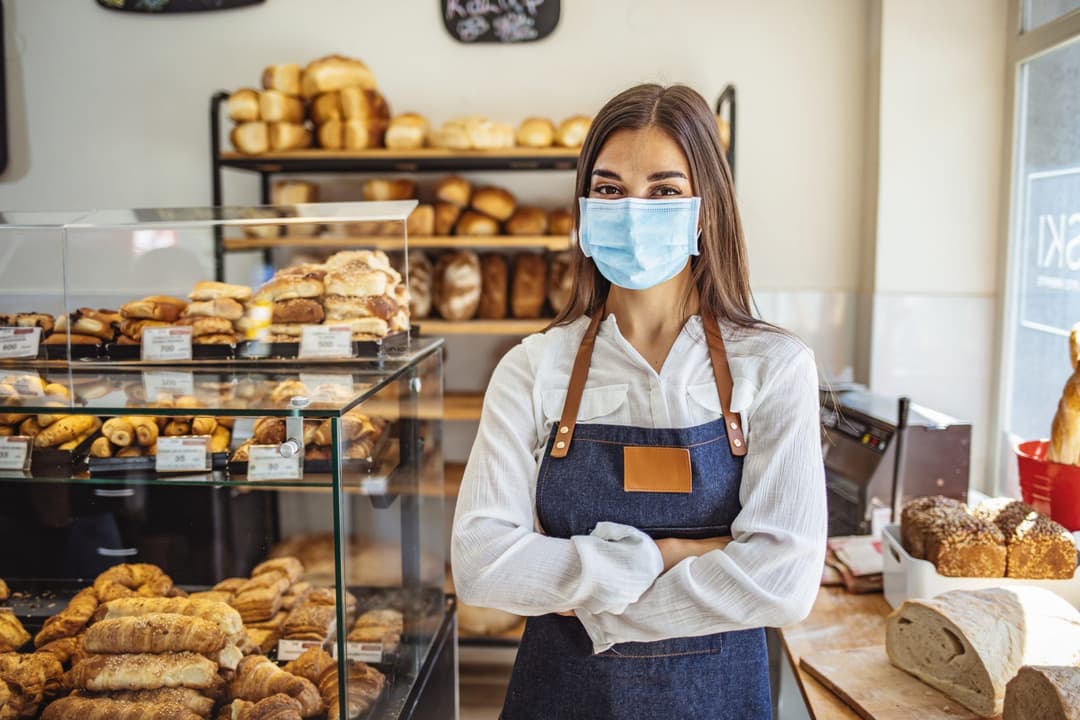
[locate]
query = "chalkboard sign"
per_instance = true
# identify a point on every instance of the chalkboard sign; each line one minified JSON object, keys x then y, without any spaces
{"x":174,"y":6}
{"x":499,"y":21}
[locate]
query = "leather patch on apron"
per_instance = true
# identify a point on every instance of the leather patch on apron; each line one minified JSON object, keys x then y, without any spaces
{"x":656,"y":469}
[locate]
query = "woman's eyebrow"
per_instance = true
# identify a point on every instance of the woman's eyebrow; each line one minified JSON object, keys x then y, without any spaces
{"x":666,"y":175}
{"x":601,"y":172}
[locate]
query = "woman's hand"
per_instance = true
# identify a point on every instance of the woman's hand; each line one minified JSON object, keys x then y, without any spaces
{"x":675,"y":550}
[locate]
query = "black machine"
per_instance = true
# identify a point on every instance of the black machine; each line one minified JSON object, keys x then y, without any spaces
{"x":880,"y":452}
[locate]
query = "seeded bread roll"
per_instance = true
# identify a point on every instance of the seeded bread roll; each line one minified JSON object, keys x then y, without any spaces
{"x":455,"y":190}
{"x":1036,"y":546}
{"x":918,"y":515}
{"x":1043,"y":692}
{"x":494,"y":283}
{"x":457,"y":288}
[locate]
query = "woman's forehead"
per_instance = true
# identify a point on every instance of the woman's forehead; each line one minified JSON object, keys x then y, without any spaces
{"x":642,"y":152}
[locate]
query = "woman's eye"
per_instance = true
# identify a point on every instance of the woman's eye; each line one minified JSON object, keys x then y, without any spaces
{"x":605,"y":190}
{"x":667,"y":191}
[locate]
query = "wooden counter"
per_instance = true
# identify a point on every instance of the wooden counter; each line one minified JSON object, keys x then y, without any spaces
{"x":838,"y":621}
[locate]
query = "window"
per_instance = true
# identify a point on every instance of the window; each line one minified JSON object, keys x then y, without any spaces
{"x":1040,"y":12}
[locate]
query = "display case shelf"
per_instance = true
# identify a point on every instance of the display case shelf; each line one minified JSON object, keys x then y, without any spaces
{"x":554,"y":243}
{"x":484,"y":327}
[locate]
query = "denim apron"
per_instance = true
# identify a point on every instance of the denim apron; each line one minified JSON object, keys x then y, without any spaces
{"x":556,"y":676}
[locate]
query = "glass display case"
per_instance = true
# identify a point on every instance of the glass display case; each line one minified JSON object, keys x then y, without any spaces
{"x":193,"y":452}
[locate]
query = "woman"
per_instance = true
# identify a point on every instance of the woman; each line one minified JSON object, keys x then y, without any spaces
{"x":646,"y":483}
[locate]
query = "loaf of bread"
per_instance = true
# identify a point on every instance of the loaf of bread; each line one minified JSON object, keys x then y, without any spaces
{"x":970,"y":644}
{"x":359,"y":135}
{"x":421,"y":222}
{"x":420,"y":284}
{"x":918,"y":515}
{"x":527,"y":221}
{"x":572,"y":131}
{"x":486,"y":134}
{"x":451,"y":135}
{"x":494,"y":284}
{"x":560,"y":222}
{"x":243,"y":105}
{"x":286,"y":136}
{"x":331,"y":134}
{"x":250,"y":138}
{"x":536,"y":132}
{"x":1036,"y":546}
{"x":276,"y":106}
{"x":335,"y":72}
{"x":382,"y":189}
{"x":476,"y":224}
{"x":446,"y":216}
{"x":369,"y":108}
{"x":530,"y":285}
{"x":1043,"y":692}
{"x":457,"y":285}
{"x":560,"y":285}
{"x":408,"y":131}
{"x":283,"y":78}
{"x":494,"y":202}
{"x":326,"y":107}
{"x":455,"y":190}
{"x":1065,"y":431}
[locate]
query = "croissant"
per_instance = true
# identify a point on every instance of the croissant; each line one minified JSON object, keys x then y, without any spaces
{"x":219,"y":613}
{"x":258,"y":678}
{"x":193,"y":700}
{"x":70,"y":620}
{"x":154,"y":633}
{"x":12,"y":633}
{"x":7,"y":709}
{"x":130,"y":579}
{"x":275,"y":707}
{"x":83,"y":708}
{"x":290,"y":567}
{"x":34,"y":676}
{"x":66,"y":650}
{"x":365,"y":685}
{"x":143,"y":672}
{"x":5,"y":593}
{"x":312,"y":664}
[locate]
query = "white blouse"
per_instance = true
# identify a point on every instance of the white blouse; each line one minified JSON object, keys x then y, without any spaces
{"x":613,"y":578}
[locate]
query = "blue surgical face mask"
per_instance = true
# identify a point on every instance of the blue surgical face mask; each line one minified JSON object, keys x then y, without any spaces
{"x":636,"y":243}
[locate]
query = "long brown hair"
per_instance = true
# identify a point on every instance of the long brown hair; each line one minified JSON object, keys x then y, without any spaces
{"x":721,"y":271}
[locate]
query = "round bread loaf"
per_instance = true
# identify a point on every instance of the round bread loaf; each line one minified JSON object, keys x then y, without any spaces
{"x":572,"y":131}
{"x":421,"y":222}
{"x":407,"y":132}
{"x":476,"y":224}
{"x":494,"y":202}
{"x":536,"y":132}
{"x":455,"y":190}
{"x":527,"y":220}
{"x":457,"y":288}
{"x":560,"y":222}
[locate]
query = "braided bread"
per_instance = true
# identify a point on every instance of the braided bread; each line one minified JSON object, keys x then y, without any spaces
{"x":258,"y":678}
{"x":154,"y":633}
{"x":143,"y":672}
{"x":130,"y":580}
{"x":71,"y":620}
{"x":82,"y":708}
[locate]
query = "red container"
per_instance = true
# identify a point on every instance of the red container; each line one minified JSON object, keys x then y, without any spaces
{"x":1053,"y":488}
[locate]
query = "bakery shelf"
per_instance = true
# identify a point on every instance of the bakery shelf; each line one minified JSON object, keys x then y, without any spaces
{"x":462,"y":406}
{"x":555,"y":243}
{"x":452,"y":475}
{"x":484,"y":327}
{"x":419,"y":160}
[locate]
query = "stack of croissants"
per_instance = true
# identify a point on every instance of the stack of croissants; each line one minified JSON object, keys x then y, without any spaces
{"x":133,"y":646}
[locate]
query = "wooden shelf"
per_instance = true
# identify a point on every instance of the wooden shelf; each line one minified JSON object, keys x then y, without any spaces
{"x":483,"y":327}
{"x":555,"y":243}
{"x":420,"y":160}
{"x":452,"y":474}
{"x":462,"y":406}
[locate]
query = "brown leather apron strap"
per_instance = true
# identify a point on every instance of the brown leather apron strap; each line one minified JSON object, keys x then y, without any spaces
{"x":578,"y":376}
{"x":580,"y":373}
{"x":724,"y":384}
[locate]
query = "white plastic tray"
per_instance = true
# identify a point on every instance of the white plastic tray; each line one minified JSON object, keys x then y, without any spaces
{"x":907,"y":578}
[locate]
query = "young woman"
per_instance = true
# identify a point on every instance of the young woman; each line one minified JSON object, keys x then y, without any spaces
{"x":647,"y":484}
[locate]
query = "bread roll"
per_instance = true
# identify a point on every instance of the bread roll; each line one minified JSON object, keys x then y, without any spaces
{"x":288,"y":136}
{"x":1045,"y":692}
{"x":366,"y":105}
{"x":488,"y":135}
{"x":325,"y":108}
{"x":421,"y":222}
{"x":572,"y":131}
{"x":560,"y":282}
{"x":331,"y":135}
{"x":225,"y":308}
{"x":212,"y":290}
{"x":276,"y":106}
{"x":457,"y":285}
{"x":476,"y":224}
{"x":452,"y":135}
{"x":527,"y":221}
{"x":536,"y":133}
{"x":335,"y":72}
{"x":530,"y":285}
{"x":969,"y":644}
{"x":298,"y":310}
{"x":283,"y":78}
{"x":494,"y":283}
{"x":243,"y":105}
{"x":408,"y":131}
{"x":296,"y":192}
{"x":358,"y":135}
{"x":495,"y":202}
{"x":251,"y":138}
{"x":420,"y":282}
{"x":560,"y":222}
{"x":382,"y":190}
{"x":446,"y":216}
{"x":455,"y":190}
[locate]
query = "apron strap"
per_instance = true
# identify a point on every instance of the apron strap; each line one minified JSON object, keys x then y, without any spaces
{"x":580,"y":373}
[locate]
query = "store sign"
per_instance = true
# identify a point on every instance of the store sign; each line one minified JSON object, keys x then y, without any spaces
{"x":499,"y":21}
{"x":1050,"y":265}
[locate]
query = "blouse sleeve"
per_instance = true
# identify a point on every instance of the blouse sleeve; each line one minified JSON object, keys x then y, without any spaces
{"x":769,"y":575}
{"x":498,"y":559}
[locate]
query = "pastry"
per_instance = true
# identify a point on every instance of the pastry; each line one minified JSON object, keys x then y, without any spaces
{"x":1035,"y":545}
{"x":67,"y":650}
{"x":104,"y":708}
{"x":364,"y":686}
{"x":455,"y":190}
{"x":274,"y":623}
{"x":133,"y":329}
{"x":312,"y":664}
{"x":156,"y":307}
{"x":274,"y":581}
{"x":288,"y":136}
{"x":225,"y":617}
{"x":288,"y":287}
{"x":276,"y":707}
{"x":5,"y":591}
{"x":494,"y":286}
{"x":98,"y":323}
{"x":214,"y":595}
{"x":266,"y":639}
{"x":30,"y":678}
{"x":288,"y":566}
{"x":446,"y":216}
{"x":131,"y":579}
{"x":275,"y":106}
{"x":74,"y":339}
{"x":309,"y":622}
{"x":201,"y":326}
{"x":12,"y":633}
{"x":119,"y":431}
{"x":457,"y":285}
{"x":530,"y":285}
{"x":258,"y":604}
{"x":572,"y":131}
{"x":494,"y":202}
{"x":257,"y":678}
{"x":230,"y":585}
{"x":560,"y":282}
{"x":144,"y":672}
{"x":419,"y":284}
{"x":379,"y":626}
{"x":298,"y":310}
{"x":1044,"y":692}
{"x":243,"y":105}
{"x":71,"y":620}
{"x":407,"y":131}
{"x":154,"y":633}
{"x":193,"y":700}
{"x":250,"y":138}
{"x":527,"y":221}
{"x":223,"y":307}
{"x":536,"y":132}
{"x":335,"y":72}
{"x":284,"y":78}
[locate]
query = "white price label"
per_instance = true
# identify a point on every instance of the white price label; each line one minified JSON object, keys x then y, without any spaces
{"x":15,"y":452}
{"x":292,"y":649}
{"x":364,"y":652}
{"x":326,"y":341}
{"x":166,"y":343}
{"x":243,"y":428}
{"x":19,"y":342}
{"x":266,"y":463}
{"x":158,"y":383}
{"x":374,"y":486}
{"x":185,"y":453}
{"x":329,"y":387}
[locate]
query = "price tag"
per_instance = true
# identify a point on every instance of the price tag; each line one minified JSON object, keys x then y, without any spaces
{"x":15,"y":453}
{"x":292,"y":649}
{"x":19,"y":342}
{"x":326,"y":341}
{"x":329,"y":387}
{"x":243,"y":428}
{"x":182,"y":454}
{"x":159,"y":383}
{"x":266,"y":463}
{"x":374,"y":486}
{"x":364,"y":652}
{"x":166,"y":343}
